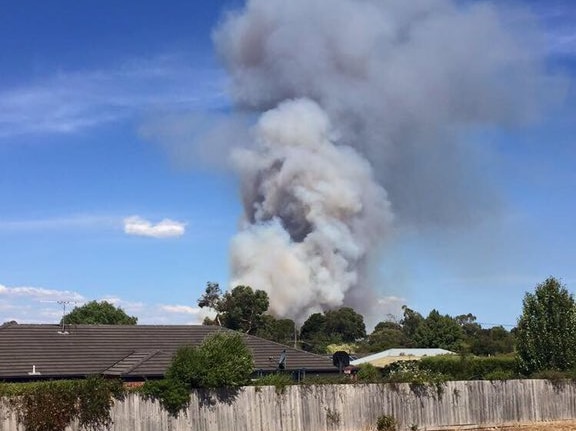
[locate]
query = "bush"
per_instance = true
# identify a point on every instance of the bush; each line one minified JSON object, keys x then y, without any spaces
{"x":386,"y":423}
{"x":470,"y":367}
{"x":221,"y":361}
{"x":280,"y":381}
{"x":52,"y":406}
{"x":368,"y":373}
{"x":226,"y":361}
{"x":173,"y":396}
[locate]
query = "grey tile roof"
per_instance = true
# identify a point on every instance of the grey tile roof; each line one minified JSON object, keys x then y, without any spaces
{"x":132,"y":351}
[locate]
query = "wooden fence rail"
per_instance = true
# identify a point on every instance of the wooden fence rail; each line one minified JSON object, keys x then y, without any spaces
{"x":465,"y":404}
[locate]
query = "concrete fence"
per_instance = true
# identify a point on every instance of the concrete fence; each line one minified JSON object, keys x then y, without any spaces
{"x":467,"y":404}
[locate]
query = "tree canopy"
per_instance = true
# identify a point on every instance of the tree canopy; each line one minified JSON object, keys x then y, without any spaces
{"x":241,"y":309}
{"x":99,"y":313}
{"x":438,"y":331}
{"x":244,"y":309}
{"x":546,"y":332}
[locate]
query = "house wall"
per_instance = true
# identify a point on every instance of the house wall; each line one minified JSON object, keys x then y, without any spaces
{"x":351,"y":408}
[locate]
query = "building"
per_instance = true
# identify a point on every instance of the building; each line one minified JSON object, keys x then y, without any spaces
{"x":130,"y":352}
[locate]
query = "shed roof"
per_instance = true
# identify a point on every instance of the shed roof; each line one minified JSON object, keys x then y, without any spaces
{"x":128,"y":351}
{"x":392,"y":355}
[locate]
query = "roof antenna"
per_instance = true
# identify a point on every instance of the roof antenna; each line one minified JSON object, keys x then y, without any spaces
{"x":63,"y":303}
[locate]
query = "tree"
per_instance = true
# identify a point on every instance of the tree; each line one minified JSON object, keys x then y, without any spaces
{"x":332,"y":327}
{"x":411,"y":321}
{"x":437,"y":331}
{"x":386,"y":335}
{"x":493,"y":341}
{"x":314,"y":336}
{"x":241,"y":309}
{"x":278,"y":330}
{"x":546,"y":332}
{"x":99,"y":313}
{"x":212,"y":298}
{"x":346,"y":324}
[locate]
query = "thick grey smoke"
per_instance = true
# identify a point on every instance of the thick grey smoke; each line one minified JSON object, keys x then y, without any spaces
{"x":313,"y":210}
{"x":374,"y":98}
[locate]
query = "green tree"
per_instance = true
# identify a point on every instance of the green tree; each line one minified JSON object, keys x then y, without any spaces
{"x":438,"y":331}
{"x":278,"y":330}
{"x":493,"y":341}
{"x":313,"y":335}
{"x":346,"y":324}
{"x":211,"y":298}
{"x":546,"y":331}
{"x":386,"y":335}
{"x":410,"y":321}
{"x":332,"y":327}
{"x":99,"y":313}
{"x":241,"y":309}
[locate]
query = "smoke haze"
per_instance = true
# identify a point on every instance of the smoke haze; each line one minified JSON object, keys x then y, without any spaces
{"x":366,"y":103}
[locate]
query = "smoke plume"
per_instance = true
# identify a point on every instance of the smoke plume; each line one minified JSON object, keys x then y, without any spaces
{"x":365,"y":105}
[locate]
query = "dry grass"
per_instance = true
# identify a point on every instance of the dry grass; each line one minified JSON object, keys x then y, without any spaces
{"x":544,"y":426}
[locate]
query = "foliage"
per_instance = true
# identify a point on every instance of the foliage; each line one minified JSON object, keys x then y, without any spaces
{"x":53,"y":405}
{"x":368,"y":373}
{"x":99,"y":313}
{"x":546,"y":334}
{"x":500,"y":375}
{"x":410,"y":372}
{"x":211,"y":298}
{"x":384,"y":338}
{"x":493,"y":341}
{"x":467,"y":367}
{"x":314,"y":336}
{"x":241,"y":309}
{"x":386,"y":423}
{"x":410,"y":322}
{"x":221,"y":361}
{"x":346,"y":323}
{"x":279,"y":380}
{"x":333,"y":327}
{"x":332,"y":417}
{"x":345,"y":347}
{"x":173,"y":395}
{"x":437,"y":331}
{"x":278,"y":330}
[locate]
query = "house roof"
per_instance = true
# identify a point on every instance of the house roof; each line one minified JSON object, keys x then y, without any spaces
{"x":392,"y":355}
{"x":128,"y":351}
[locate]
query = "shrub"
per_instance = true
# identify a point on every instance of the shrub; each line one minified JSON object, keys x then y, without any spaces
{"x":470,"y":367}
{"x":221,"y":361}
{"x":52,"y":406}
{"x":280,"y":381}
{"x":368,"y":373}
{"x":386,"y":423}
{"x":173,"y":396}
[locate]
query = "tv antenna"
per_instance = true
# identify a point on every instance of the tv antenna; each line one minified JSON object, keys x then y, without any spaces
{"x":63,"y":304}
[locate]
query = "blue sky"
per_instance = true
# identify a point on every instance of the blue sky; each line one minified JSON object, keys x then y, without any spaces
{"x":93,"y":207}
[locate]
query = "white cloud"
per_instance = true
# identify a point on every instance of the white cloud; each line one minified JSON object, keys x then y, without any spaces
{"x":71,"y":102}
{"x":136,"y":225}
{"x":39,"y":305}
{"x":39,"y":294}
{"x":183,"y":309}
